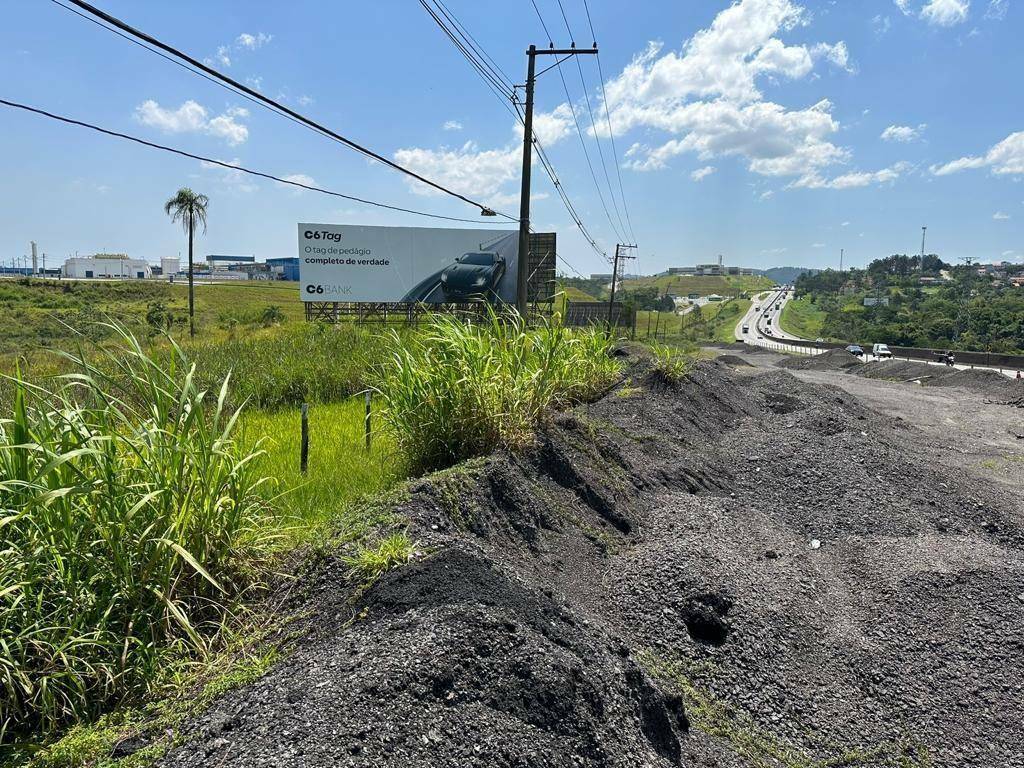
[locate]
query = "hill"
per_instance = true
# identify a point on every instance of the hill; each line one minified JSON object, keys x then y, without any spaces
{"x":787,"y":275}
{"x":681,"y":285}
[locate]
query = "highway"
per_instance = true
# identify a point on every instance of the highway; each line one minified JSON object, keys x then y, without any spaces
{"x":757,"y":323}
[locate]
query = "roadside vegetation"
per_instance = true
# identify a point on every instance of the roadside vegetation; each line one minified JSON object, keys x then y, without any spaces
{"x":456,"y":390}
{"x":803,"y":317}
{"x":132,"y":519}
{"x":150,"y":489}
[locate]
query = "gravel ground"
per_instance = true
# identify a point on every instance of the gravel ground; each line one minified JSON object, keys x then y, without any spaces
{"x":748,"y":568}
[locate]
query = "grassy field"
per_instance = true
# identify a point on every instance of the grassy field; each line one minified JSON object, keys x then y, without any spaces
{"x":340,"y":468}
{"x":42,"y":313}
{"x":716,"y":323}
{"x":682,"y":285}
{"x":802,"y":318}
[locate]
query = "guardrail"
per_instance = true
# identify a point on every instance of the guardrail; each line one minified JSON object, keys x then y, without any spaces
{"x":996,"y":360}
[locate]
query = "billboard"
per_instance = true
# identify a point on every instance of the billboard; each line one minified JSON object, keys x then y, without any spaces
{"x":353,"y":263}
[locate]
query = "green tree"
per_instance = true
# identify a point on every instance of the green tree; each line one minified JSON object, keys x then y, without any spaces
{"x":189,"y":208}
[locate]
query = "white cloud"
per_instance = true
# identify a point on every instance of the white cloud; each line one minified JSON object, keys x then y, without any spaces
{"x":701,"y":173}
{"x":904,"y":6}
{"x":1000,"y":216}
{"x":1005,"y":159}
{"x":235,"y":181}
{"x":903,"y":133}
{"x":997,"y":9}
{"x":252,"y":42}
{"x":481,"y":172}
{"x":773,"y":251}
{"x":305,"y":100}
{"x":882,"y":25}
{"x":703,"y":99}
{"x":767,"y":194}
{"x":945,"y":13}
{"x":192,"y":117}
{"x":466,"y":169}
{"x":845,"y":224}
{"x":854,"y":179}
{"x":817,"y":245}
{"x":452,"y":125}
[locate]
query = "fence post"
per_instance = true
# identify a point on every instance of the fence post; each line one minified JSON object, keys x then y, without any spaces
{"x":304,"y":449}
{"x":366,"y":419}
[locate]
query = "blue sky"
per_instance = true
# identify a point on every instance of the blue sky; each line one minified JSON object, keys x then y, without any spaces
{"x":770,"y":131}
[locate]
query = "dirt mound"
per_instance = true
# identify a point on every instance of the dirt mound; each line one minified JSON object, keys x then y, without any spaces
{"x":833,"y":360}
{"x":901,"y":370}
{"x":734,"y":360}
{"x":990,"y":384}
{"x":792,"y":564}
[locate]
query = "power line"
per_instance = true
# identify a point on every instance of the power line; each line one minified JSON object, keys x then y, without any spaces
{"x":586,"y":154}
{"x":274,"y":104}
{"x":222,"y":164}
{"x":476,"y":51}
{"x":551,"y":40}
{"x":608,"y":117}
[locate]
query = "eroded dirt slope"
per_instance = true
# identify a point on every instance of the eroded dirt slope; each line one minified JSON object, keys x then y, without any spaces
{"x":742,"y":569}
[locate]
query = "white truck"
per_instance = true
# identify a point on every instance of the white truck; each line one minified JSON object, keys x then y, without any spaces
{"x":881,"y":351}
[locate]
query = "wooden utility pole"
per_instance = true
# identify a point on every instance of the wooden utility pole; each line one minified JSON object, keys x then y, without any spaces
{"x":523,"y":266}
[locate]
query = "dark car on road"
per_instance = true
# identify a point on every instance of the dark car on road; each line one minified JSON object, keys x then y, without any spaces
{"x":853,"y":349}
{"x":473,"y":274}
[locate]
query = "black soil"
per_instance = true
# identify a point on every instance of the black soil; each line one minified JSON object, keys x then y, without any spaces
{"x":738,"y":570}
{"x":833,"y":360}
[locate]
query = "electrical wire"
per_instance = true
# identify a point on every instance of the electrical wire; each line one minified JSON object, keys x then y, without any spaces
{"x":551,"y":40}
{"x":229,"y":166}
{"x":472,"y":49}
{"x":274,"y":105}
{"x":608,"y":117}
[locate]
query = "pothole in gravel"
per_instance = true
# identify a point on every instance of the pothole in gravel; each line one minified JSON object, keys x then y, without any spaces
{"x":705,"y":618}
{"x":778,"y":402}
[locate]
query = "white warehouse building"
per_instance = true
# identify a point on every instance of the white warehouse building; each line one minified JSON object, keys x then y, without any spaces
{"x":117,"y":265}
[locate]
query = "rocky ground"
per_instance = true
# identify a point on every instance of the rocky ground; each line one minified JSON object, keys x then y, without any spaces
{"x":750,"y":567}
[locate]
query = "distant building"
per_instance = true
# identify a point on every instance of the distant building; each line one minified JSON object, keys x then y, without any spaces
{"x":170,"y":265}
{"x":217,"y":262}
{"x":601,"y":276}
{"x":107,"y":265}
{"x":710,"y":269}
{"x":287,"y":268}
{"x":682,"y":270}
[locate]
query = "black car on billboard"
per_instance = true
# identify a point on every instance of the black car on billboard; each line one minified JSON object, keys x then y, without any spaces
{"x":476,"y":273}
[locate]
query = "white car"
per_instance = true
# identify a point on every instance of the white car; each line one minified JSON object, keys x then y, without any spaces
{"x":881,"y":351}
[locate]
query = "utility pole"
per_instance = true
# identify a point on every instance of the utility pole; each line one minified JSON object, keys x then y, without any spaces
{"x":921,"y":265}
{"x":523,"y":266}
{"x":842,"y":252}
{"x":615,"y":276}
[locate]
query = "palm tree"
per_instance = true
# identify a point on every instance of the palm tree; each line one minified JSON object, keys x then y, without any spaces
{"x":189,"y":208}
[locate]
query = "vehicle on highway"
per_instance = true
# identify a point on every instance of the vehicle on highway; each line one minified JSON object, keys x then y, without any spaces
{"x":855,"y":350}
{"x":769,"y":321}
{"x":746,"y":328}
{"x":819,"y":340}
{"x":476,"y":273}
{"x":881,"y":351}
{"x":757,"y":308}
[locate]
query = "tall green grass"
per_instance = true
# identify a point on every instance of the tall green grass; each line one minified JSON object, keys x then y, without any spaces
{"x":456,"y":389}
{"x":129,"y":518}
{"x":340,"y":468}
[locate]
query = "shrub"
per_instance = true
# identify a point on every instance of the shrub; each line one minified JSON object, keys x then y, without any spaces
{"x":457,"y":389}
{"x":128,"y":517}
{"x":670,"y":364}
{"x":370,"y":563}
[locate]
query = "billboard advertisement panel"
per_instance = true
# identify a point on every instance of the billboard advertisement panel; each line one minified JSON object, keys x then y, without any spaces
{"x":353,"y":263}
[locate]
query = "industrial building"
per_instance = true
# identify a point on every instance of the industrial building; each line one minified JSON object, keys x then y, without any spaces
{"x":115,"y":265}
{"x":284,"y":267}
